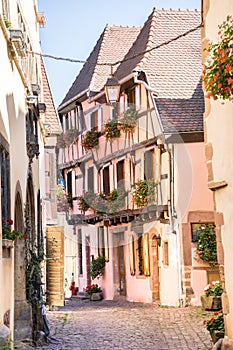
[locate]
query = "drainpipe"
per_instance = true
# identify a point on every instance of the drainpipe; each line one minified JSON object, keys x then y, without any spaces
{"x":173,"y":215}
{"x":147,"y":86}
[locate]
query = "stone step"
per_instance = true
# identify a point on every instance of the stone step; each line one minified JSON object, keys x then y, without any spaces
{"x":80,"y":296}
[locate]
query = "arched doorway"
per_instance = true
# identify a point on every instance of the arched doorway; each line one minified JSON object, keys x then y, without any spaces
{"x":22,"y":311}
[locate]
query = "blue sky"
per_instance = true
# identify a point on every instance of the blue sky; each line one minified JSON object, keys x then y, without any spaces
{"x":72,"y":28}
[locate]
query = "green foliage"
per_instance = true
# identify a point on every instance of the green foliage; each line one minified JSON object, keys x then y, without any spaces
{"x":61,"y":141}
{"x":144,"y":193}
{"x":94,"y":288}
{"x":129,"y":120}
{"x":213,"y":289}
{"x":112,"y":129}
{"x":206,"y":245}
{"x":63,"y":199}
{"x":217,"y":74}
{"x":83,"y":203}
{"x":6,"y":345}
{"x":91,"y":139}
{"x":70,"y":136}
{"x":97,"y":267}
{"x":7,"y":233}
{"x":216,"y":322}
{"x":111,"y":202}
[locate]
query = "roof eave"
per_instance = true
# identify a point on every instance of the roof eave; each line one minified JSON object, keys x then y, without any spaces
{"x":71,"y":102}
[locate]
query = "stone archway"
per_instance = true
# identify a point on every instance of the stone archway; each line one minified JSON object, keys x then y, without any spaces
{"x":22,"y":311}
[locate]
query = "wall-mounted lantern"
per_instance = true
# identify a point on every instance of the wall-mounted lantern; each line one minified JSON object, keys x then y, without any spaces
{"x":112,"y":89}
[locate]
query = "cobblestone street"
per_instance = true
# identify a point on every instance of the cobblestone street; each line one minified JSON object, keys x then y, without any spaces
{"x":108,"y":325}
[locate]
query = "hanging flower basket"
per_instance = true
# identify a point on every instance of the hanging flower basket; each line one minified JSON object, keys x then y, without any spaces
{"x":63,"y":199}
{"x":129,"y":120}
{"x":91,"y":139}
{"x":144,"y":193}
{"x":217,"y":75}
{"x":112,"y":129}
{"x":61,"y":141}
{"x":70,"y":136}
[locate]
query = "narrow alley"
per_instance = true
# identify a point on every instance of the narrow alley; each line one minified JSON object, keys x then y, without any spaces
{"x":118,"y":325}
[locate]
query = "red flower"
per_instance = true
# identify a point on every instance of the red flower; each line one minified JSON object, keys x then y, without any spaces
{"x":10,"y":222}
{"x":24,"y":236}
{"x":228,"y":68}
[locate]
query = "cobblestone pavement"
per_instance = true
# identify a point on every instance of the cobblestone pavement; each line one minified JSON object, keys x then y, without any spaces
{"x":108,"y":325}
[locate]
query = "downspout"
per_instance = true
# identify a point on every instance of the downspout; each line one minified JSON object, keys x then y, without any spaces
{"x":147,"y":86}
{"x":173,"y":215}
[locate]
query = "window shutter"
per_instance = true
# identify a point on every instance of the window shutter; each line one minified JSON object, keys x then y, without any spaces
{"x":146,"y":257}
{"x":148,"y":165}
{"x":157,"y":165}
{"x":90,"y":179}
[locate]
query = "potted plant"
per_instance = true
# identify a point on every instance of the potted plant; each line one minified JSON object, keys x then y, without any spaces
{"x":97,"y":267}
{"x":111,"y":202}
{"x":217,"y":75}
{"x":211,"y":300}
{"x":61,"y":141}
{"x":129,"y":120}
{"x":83,"y":203}
{"x":215,"y":325}
{"x":63,"y":199}
{"x":112,"y":129}
{"x":91,"y":139}
{"x":95,"y":292}
{"x":206,"y":250}
{"x":70,"y":136}
{"x":9,"y":236}
{"x":144,"y":193}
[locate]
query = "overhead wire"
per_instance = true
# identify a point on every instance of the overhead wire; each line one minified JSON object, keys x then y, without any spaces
{"x":112,"y":64}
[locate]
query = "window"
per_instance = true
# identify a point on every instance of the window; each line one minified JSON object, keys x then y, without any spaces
{"x":106,"y":180}
{"x":69,"y":186}
{"x":103,"y":242}
{"x":133,"y":97}
{"x":120,"y":174}
{"x":149,"y":165}
{"x":94,"y":120}
{"x":5,"y":182}
{"x":80,"y":252}
{"x":195,"y":230}
{"x":90,"y":179}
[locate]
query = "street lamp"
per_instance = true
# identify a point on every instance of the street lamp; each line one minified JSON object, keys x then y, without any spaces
{"x":112,"y":90}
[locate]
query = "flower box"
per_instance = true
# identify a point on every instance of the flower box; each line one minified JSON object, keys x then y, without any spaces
{"x":7,"y":243}
{"x":216,"y":335}
{"x":211,"y":302}
{"x":96,"y":296}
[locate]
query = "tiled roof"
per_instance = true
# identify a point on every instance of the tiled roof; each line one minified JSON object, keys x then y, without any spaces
{"x":182,"y":114}
{"x":112,"y":46}
{"x":51,"y":116}
{"x":173,"y":70}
